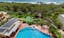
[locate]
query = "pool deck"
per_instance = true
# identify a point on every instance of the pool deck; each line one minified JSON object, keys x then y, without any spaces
{"x":23,"y":25}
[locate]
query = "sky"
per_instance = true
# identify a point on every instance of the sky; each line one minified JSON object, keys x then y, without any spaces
{"x":52,"y":1}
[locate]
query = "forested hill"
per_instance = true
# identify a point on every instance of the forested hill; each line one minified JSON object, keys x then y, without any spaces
{"x":25,"y":7}
{"x":44,"y":9}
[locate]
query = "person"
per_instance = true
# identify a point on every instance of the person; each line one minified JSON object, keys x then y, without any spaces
{"x":45,"y":29}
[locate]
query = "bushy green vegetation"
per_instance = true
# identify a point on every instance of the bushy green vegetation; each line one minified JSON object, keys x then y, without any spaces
{"x":31,"y":20}
{"x":34,"y":13}
{"x":3,"y":22}
{"x":55,"y":32}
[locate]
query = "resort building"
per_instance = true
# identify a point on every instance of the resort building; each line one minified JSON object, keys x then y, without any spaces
{"x":3,"y":16}
{"x":61,"y":18}
{"x":8,"y":28}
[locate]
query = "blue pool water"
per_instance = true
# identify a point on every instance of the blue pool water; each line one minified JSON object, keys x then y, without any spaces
{"x":29,"y":32}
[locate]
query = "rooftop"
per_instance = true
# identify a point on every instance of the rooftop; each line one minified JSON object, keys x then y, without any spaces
{"x":7,"y":27}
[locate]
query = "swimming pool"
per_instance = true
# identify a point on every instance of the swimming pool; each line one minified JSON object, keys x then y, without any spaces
{"x":30,"y":32}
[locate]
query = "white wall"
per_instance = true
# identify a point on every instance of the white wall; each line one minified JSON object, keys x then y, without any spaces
{"x":61,"y":18}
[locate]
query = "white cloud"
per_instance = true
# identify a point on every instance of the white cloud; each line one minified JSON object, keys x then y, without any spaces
{"x":51,"y":2}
